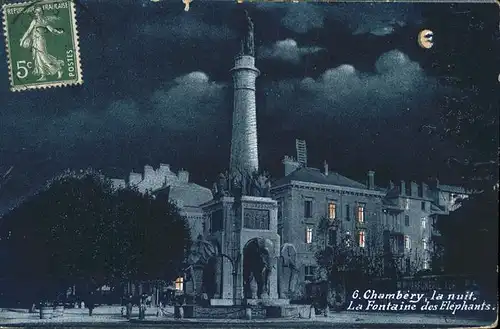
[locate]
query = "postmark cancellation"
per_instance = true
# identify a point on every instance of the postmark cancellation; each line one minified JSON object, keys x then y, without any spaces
{"x":42,"y":44}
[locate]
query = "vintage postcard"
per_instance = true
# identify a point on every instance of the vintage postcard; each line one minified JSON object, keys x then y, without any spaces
{"x":240,"y":164}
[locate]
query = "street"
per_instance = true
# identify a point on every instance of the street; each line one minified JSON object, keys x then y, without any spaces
{"x":110,"y":317}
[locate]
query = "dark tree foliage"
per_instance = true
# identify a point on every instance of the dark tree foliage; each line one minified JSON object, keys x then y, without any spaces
{"x":80,"y":230}
{"x":467,"y":65}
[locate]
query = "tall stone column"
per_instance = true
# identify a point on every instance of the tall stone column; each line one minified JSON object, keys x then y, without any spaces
{"x":244,"y":153}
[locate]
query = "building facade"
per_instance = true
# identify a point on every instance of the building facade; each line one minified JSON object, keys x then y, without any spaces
{"x":395,"y":219}
{"x":174,"y":187}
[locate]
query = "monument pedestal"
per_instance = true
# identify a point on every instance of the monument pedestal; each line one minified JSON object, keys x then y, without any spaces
{"x":234,"y":223}
{"x":267,"y":302}
{"x":221,"y":302}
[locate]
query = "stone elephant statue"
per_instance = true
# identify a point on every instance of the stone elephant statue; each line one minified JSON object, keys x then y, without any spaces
{"x":257,"y":265}
{"x":204,"y":253}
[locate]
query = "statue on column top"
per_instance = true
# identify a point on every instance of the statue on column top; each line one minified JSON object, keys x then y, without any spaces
{"x":247,"y":43}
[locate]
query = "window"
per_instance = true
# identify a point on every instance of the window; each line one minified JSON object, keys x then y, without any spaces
{"x":347,"y":239}
{"x":332,"y":210}
{"x":408,"y":265}
{"x":280,"y":230}
{"x":424,"y":244}
{"x":217,"y":221}
{"x":309,"y":273}
{"x":332,"y":237}
{"x":347,"y":212}
{"x":309,"y":235}
{"x":423,"y":206}
{"x":407,"y":242}
{"x":399,"y":243}
{"x":307,"y":208}
{"x":362,"y":239}
{"x":407,"y":204}
{"x":179,"y":284}
{"x":361,"y":214}
{"x":407,"y":220}
{"x":424,"y":222}
{"x":426,"y":265}
{"x":280,"y":210}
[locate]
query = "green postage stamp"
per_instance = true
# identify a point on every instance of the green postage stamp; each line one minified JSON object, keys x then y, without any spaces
{"x":42,"y":44}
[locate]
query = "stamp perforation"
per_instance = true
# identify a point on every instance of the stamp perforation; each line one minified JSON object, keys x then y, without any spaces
{"x":76,"y":47}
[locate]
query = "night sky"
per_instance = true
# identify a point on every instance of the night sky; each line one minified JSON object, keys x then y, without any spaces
{"x":350,"y":79}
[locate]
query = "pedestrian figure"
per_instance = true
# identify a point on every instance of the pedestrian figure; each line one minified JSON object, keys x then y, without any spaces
{"x":142,"y":307}
{"x":90,"y":303}
{"x":129,"y":306}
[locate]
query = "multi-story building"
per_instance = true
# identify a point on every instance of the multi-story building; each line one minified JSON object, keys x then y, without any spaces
{"x":396,"y":220}
{"x":174,"y":187}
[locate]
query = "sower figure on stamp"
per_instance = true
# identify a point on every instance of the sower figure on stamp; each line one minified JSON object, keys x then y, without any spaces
{"x":45,"y":64}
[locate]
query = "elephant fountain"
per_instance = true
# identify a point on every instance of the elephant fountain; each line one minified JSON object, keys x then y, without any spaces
{"x":204,"y":254}
{"x":257,"y":265}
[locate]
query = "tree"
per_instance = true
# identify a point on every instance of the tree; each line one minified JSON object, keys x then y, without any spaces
{"x":345,"y":263}
{"x":79,"y":229}
{"x":469,"y":119}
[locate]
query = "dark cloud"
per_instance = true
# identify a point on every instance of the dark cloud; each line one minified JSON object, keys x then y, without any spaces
{"x":344,"y":91}
{"x":158,"y":89}
{"x":193,"y":104}
{"x":286,"y":50}
{"x":375,"y":18}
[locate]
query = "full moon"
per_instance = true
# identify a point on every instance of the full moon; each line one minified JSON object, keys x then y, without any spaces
{"x":425,"y":39}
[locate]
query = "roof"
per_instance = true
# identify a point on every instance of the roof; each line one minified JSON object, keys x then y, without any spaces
{"x":451,"y":188}
{"x":189,"y":194}
{"x":314,"y":175}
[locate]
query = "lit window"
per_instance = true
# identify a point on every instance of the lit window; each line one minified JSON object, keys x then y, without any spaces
{"x":424,"y":244}
{"x":309,"y":235}
{"x":362,"y":239}
{"x":407,"y":242}
{"x":407,"y":204}
{"x":179,"y":283}
{"x":426,"y":265}
{"x":332,"y":210}
{"x":424,"y":222}
{"x":347,"y":239}
{"x":361,"y":214}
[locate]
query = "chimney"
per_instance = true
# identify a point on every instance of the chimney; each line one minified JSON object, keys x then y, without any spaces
{"x":413,"y":189}
{"x":403,"y":188}
{"x":134,"y":178}
{"x":371,"y":180}
{"x":164,"y":169}
{"x":391,"y":185}
{"x":425,"y":188}
{"x":148,"y":172}
{"x":183,"y":176}
{"x":325,"y":164}
{"x":290,"y":165}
